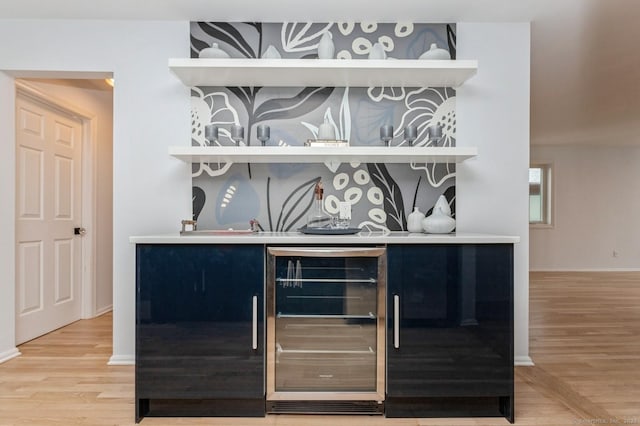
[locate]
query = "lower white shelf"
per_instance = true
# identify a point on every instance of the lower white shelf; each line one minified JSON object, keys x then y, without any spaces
{"x":306,"y":154}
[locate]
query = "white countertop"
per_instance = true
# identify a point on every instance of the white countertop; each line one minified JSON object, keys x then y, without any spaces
{"x":364,"y":237}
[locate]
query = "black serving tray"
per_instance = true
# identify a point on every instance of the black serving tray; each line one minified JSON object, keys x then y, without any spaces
{"x":329,"y":231}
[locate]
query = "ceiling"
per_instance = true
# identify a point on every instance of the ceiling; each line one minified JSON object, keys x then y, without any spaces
{"x":585,"y":55}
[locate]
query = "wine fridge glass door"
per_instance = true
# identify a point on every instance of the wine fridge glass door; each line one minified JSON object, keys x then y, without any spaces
{"x":325,"y":324}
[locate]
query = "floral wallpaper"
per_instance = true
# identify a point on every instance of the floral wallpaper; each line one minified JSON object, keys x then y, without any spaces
{"x":279,"y":195}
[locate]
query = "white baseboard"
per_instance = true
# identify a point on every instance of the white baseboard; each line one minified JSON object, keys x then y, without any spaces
{"x":122,"y":360}
{"x":10,"y":354}
{"x":584,"y":270}
{"x":104,"y":310}
{"x":523,"y":361}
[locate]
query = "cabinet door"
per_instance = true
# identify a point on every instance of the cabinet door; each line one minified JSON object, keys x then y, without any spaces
{"x":450,"y":330}
{"x":200,"y":327}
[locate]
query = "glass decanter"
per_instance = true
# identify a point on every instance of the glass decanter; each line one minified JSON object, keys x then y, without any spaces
{"x":318,"y":217}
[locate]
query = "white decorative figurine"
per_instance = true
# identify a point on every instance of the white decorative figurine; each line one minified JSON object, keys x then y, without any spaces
{"x":326,"y":49}
{"x":440,"y":221}
{"x":213,"y":52}
{"x":414,"y":220}
{"x":436,"y":53}
{"x":377,"y":52}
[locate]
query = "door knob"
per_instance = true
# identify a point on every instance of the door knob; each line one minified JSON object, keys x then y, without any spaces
{"x":79,"y":231}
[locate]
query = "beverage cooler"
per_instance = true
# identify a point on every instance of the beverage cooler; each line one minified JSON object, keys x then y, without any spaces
{"x":326,"y":329}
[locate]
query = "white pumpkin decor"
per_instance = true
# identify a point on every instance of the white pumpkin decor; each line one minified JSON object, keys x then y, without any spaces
{"x":440,"y":221}
{"x":213,"y":52}
{"x":435,"y":53}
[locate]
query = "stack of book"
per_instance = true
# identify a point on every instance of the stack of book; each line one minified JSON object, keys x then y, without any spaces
{"x":327,"y":143}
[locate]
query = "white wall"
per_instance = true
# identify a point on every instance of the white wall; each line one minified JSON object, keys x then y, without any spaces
{"x":151,"y":191}
{"x":493,"y":114}
{"x":7,"y":219}
{"x":98,"y":103}
{"x":596,"y":199}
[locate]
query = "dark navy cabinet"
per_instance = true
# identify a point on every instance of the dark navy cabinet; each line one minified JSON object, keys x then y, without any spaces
{"x":199,"y":330}
{"x":450,"y":330}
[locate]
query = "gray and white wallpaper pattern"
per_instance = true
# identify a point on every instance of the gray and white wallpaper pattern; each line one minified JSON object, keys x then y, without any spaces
{"x":279,"y":195}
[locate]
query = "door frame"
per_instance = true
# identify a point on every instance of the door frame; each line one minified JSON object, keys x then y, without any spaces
{"x":88,"y":188}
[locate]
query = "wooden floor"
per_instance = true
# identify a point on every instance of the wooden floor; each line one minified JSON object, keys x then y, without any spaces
{"x":585,"y":340}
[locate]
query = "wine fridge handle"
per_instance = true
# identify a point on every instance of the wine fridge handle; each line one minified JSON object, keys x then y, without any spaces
{"x":396,"y":321}
{"x":254,"y":328}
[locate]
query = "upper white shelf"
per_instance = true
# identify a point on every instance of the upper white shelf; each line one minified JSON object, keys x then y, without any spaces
{"x":306,"y":154}
{"x":322,"y":72}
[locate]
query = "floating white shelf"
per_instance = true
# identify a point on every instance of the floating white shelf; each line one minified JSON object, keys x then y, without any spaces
{"x":322,"y":72}
{"x":305,"y":154}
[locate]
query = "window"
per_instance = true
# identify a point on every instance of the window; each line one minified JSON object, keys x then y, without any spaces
{"x":540,"y":194}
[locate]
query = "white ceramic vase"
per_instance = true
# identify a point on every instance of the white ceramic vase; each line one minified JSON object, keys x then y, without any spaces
{"x":271,"y":53}
{"x":377,"y":52}
{"x":438,"y":223}
{"x":435,"y":53}
{"x":213,"y":52}
{"x":443,"y":205}
{"x":414,"y":220}
{"x":326,"y":131}
{"x":326,"y":49}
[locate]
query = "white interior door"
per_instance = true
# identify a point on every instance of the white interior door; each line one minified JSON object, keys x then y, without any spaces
{"x":48,"y":207}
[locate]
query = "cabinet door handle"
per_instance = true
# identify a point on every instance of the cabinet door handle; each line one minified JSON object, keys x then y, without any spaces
{"x":396,"y":321}
{"x":254,"y":331}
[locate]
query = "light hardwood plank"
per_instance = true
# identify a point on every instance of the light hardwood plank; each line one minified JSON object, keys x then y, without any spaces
{"x":585,"y":341}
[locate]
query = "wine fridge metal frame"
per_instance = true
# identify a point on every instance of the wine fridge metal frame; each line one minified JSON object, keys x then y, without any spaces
{"x":379,"y":394}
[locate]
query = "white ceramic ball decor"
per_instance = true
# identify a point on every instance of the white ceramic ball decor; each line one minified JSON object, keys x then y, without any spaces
{"x":213,"y":52}
{"x":414,"y":220}
{"x":435,"y":52}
